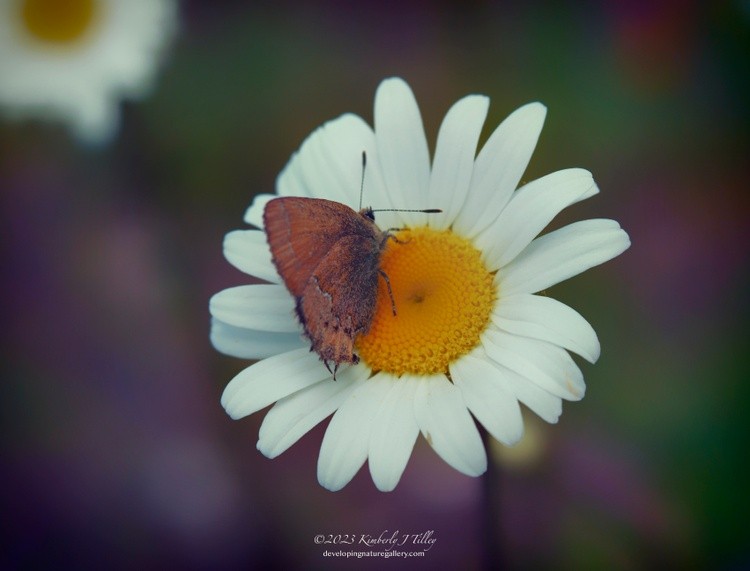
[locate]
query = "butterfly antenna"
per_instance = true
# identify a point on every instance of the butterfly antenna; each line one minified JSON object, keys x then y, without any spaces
{"x":426,"y":211}
{"x":362,"y":189}
{"x":362,"y":182}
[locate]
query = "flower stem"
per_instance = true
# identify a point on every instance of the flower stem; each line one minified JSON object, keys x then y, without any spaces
{"x":493,"y":553}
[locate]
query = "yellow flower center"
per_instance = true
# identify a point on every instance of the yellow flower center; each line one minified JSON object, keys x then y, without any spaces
{"x":443,"y":294}
{"x":58,"y":21}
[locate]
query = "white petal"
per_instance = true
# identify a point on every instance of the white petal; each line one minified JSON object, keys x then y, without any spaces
{"x":529,"y":211}
{"x":329,"y":163}
{"x":272,"y":379}
{"x":394,"y":432}
{"x":446,"y":424}
{"x":499,"y":167}
{"x":248,"y":251}
{"x":292,"y":417}
{"x":251,"y":344}
{"x":543,"y":403}
{"x":487,"y":398}
{"x":309,"y":170}
{"x":402,"y":148}
{"x":547,"y":319}
{"x":346,"y":441}
{"x":545,"y":364}
{"x":561,"y":254}
{"x":291,"y":181}
{"x":454,"y":158}
{"x":254,"y":214}
{"x":261,"y":307}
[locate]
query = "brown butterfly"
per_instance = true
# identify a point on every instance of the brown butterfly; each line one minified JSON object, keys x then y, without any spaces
{"x":329,"y":258}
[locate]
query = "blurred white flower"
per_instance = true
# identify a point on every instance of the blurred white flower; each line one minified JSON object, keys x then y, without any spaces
{"x":74,"y":60}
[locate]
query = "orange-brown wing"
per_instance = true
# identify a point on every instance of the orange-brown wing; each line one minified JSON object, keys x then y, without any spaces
{"x":301,"y":231}
{"x":339,"y":299}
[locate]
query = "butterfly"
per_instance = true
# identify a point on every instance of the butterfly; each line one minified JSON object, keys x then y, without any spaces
{"x":328,"y":256}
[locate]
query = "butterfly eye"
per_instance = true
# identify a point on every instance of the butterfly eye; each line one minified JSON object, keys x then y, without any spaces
{"x":370,"y":214}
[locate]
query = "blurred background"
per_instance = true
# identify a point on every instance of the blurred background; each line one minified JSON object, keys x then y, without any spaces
{"x":115,"y":450}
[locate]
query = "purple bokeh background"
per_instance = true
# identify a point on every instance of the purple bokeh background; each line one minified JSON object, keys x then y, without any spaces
{"x":115,"y":451}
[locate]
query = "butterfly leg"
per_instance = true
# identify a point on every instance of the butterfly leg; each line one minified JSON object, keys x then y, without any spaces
{"x":390,"y":291}
{"x":389,"y":236}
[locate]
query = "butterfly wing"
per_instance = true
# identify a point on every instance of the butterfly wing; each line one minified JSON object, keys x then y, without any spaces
{"x":328,"y":256}
{"x":338,"y":303}
{"x":300,"y":232}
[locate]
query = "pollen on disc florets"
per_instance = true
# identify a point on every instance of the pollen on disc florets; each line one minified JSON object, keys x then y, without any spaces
{"x":444,"y":296}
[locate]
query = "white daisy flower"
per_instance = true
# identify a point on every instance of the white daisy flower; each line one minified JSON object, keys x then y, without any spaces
{"x":471,"y":339}
{"x":73,"y":60}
